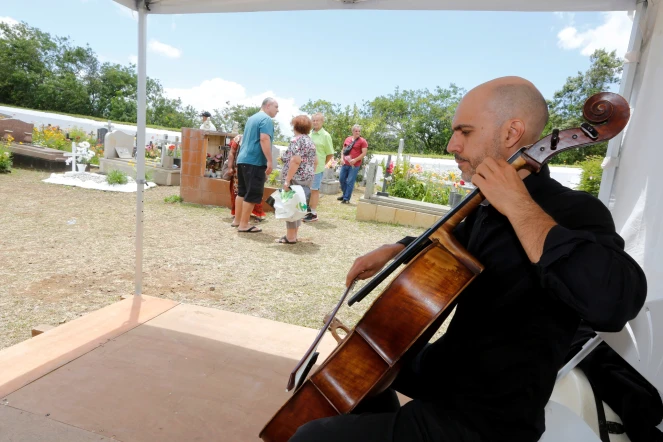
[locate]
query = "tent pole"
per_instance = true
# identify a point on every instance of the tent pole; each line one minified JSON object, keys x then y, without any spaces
{"x":140,"y":142}
{"x":625,"y":90}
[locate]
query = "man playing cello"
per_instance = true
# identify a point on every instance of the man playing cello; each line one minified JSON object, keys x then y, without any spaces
{"x":552,"y":258}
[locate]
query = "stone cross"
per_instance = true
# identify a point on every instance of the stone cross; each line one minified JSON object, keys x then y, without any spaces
{"x":109,"y":126}
{"x":370,"y":178}
{"x":401,"y":145}
{"x":74,"y":156}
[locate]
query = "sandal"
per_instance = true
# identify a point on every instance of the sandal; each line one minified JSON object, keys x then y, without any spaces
{"x":234,"y":225}
{"x":252,"y":229}
{"x":284,"y":240}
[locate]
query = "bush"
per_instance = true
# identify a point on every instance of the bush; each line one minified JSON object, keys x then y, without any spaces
{"x":590,"y":178}
{"x":6,"y":156}
{"x":79,"y":135}
{"x":50,"y":137}
{"x":274,"y":178}
{"x":409,"y":188}
{"x":173,"y":199}
{"x":116,"y":177}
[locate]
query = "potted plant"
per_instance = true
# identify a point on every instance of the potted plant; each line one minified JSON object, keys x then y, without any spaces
{"x":85,"y":155}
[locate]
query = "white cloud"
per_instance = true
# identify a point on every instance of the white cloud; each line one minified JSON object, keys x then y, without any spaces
{"x":10,"y":21}
{"x":213,"y":94}
{"x":133,"y":59}
{"x":164,"y":49}
{"x":613,"y":34}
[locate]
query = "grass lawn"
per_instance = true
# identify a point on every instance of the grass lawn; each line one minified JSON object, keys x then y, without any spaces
{"x":66,"y":251}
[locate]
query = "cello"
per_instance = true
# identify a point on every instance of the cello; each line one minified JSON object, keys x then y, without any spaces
{"x":408,"y":312}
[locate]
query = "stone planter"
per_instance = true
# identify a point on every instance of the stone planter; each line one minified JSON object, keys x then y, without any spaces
{"x":167,"y":162}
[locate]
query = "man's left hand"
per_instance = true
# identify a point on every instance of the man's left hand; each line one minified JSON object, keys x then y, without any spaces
{"x":500,"y":184}
{"x":504,"y":189}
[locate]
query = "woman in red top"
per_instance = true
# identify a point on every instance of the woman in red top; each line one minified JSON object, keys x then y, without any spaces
{"x":257,"y":212}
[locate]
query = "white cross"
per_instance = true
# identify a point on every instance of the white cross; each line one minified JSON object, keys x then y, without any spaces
{"x":74,"y":156}
{"x":109,"y":126}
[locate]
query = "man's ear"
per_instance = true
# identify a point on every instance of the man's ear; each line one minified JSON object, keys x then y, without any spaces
{"x":515,"y":132}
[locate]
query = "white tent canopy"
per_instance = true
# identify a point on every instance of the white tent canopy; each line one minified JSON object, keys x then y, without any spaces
{"x":211,"y":6}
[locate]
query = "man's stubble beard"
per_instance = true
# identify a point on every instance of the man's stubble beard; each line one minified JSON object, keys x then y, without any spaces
{"x":493,"y":152}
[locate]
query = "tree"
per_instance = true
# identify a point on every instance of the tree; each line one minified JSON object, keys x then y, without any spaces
{"x":338,"y":121}
{"x":51,"y":73}
{"x":421,"y":117}
{"x":224,"y":119}
{"x":26,"y":63}
{"x":567,"y":103}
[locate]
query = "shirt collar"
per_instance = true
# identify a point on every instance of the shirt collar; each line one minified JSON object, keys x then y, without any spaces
{"x":535,"y":182}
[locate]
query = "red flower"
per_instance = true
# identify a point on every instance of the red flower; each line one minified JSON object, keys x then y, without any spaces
{"x":462,"y":183}
{"x":171,"y":147}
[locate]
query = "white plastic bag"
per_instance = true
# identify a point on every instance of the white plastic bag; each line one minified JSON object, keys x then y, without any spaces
{"x":291,"y":205}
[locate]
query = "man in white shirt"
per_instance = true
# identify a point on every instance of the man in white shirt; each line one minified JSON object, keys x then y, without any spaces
{"x":207,"y":123}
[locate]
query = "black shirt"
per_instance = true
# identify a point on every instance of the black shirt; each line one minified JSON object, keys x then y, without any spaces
{"x":495,"y":367}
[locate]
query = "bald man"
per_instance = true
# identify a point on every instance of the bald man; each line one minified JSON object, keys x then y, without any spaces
{"x":552,"y":258}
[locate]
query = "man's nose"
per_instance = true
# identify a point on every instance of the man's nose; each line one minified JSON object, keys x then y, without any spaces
{"x":454,"y":146}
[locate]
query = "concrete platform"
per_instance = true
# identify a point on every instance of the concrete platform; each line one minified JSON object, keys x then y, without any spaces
{"x":21,"y":426}
{"x":40,"y":158}
{"x":160,"y":176}
{"x":149,"y":369}
{"x":393,"y":210}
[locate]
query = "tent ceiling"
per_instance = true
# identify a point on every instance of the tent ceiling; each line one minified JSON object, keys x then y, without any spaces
{"x":206,"y":6}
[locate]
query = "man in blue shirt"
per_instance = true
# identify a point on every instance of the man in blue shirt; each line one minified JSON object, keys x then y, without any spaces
{"x":254,"y":163}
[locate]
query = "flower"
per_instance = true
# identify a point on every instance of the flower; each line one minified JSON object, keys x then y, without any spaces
{"x":331,"y":163}
{"x":171,"y":150}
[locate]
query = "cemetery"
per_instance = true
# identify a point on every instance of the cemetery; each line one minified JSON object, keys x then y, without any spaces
{"x":143,"y":315}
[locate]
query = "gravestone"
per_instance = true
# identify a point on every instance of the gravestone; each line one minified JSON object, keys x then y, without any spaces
{"x":118,"y":140}
{"x":19,"y":130}
{"x":371,"y":175}
{"x":101,"y":135}
{"x":401,"y":146}
{"x":330,"y":185}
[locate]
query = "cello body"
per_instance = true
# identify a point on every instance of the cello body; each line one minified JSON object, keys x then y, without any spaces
{"x":397,"y":326}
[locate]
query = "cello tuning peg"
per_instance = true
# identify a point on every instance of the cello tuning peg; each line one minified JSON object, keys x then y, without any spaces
{"x":589,"y":130}
{"x":555,"y":139}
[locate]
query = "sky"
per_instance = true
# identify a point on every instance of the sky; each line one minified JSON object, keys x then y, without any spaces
{"x":345,"y":57}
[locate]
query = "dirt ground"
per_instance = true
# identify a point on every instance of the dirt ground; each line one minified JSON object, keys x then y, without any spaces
{"x":66,"y":251}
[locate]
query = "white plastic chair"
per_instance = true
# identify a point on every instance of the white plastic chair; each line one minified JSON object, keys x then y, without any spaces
{"x":571,"y":412}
